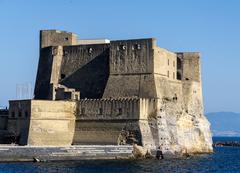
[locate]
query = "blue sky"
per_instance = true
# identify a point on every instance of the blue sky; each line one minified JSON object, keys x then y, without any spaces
{"x":210,"y":27}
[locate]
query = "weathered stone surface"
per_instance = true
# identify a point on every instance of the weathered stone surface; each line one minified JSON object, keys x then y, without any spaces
{"x":132,"y":92}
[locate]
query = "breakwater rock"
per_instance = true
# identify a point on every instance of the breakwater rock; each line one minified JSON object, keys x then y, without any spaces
{"x":227,"y":144}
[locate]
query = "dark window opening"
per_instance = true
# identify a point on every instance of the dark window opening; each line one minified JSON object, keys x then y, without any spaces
{"x":26,"y":114}
{"x":65,"y":52}
{"x":100,"y":111}
{"x":66,"y":38}
{"x":173,"y":75}
{"x":175,"y":97}
{"x":122,"y":47}
{"x":168,"y":62}
{"x":179,"y":63}
{"x":179,"y":76}
{"x":167,"y":73}
{"x":13,"y":114}
{"x":173,"y":63}
{"x":20,"y":114}
{"x":63,"y":76}
{"x":120,"y":111}
{"x":90,"y":50}
{"x":137,"y":46}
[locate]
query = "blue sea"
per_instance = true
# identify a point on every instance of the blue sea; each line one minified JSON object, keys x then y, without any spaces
{"x":224,"y":160}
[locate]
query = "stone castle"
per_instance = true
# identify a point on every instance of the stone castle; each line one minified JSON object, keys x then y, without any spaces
{"x":113,"y":93}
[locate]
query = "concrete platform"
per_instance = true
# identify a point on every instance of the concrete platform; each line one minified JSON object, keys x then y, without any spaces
{"x":76,"y":152}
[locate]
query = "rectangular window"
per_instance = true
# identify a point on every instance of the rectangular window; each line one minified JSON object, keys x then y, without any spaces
{"x":20,"y":114}
{"x":173,"y":63}
{"x":119,"y":111}
{"x":167,"y":73}
{"x":173,"y":75}
{"x":26,"y":114}
{"x":168,"y":62}
{"x":100,"y":111}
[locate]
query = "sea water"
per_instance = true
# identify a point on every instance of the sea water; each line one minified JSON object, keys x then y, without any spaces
{"x":223,"y":160}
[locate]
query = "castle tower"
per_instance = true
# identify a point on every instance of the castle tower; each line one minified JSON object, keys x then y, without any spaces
{"x":49,"y":66}
{"x":56,"y":38}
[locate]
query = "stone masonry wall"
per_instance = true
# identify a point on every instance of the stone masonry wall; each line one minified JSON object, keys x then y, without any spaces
{"x":107,"y":121}
{"x":165,"y":63}
{"x":131,"y":69}
{"x":42,"y":85}
{"x":86,"y":68}
{"x":19,"y":120}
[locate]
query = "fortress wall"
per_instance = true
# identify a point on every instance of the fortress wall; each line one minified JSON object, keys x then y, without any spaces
{"x":42,"y":85}
{"x":148,"y":108}
{"x":167,"y":89}
{"x":131,"y":69}
{"x":78,"y":56}
{"x":86,"y":68}
{"x":108,"y":109}
{"x":42,"y":122}
{"x":4,"y":114}
{"x":131,"y":56}
{"x":19,"y":120}
{"x":192,"y":96}
{"x":52,"y":123}
{"x":107,"y":121}
{"x":48,"y":72}
{"x":57,"y":53}
{"x":112,"y":128}
{"x":165,"y":63}
{"x":107,"y":132}
{"x":191,"y":66}
{"x":56,"y":38}
{"x":130,"y":86}
{"x":3,"y":122}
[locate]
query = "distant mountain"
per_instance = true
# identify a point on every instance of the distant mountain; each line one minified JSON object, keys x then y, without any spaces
{"x":224,"y":123}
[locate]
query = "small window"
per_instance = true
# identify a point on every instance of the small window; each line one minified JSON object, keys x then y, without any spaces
{"x":13,"y":114}
{"x":173,"y":75}
{"x":137,"y":46}
{"x":122,"y":47}
{"x":167,"y":73}
{"x":63,"y":76}
{"x":179,"y":76}
{"x":20,"y":114}
{"x":173,"y":63}
{"x":120,"y":111}
{"x":168,"y":62}
{"x":26,"y":114}
{"x":76,"y":97}
{"x":66,"y":38}
{"x":90,"y":50}
{"x":83,"y":111}
{"x":100,"y":111}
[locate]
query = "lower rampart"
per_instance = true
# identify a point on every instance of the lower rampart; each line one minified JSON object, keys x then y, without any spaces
{"x":147,"y":122}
